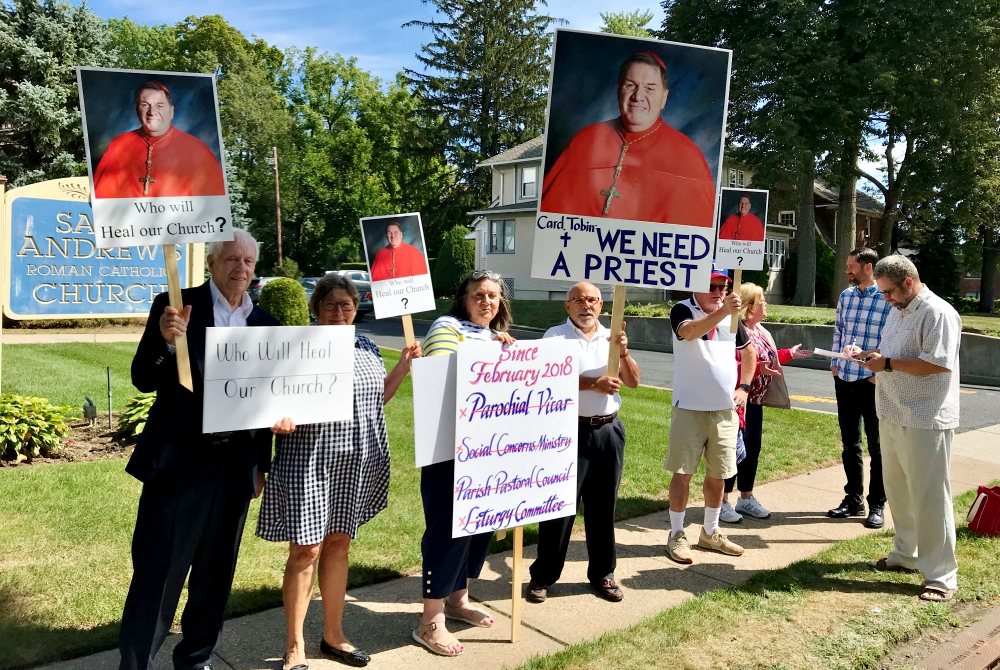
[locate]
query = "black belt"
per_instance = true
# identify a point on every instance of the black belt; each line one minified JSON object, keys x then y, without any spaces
{"x":598,"y":420}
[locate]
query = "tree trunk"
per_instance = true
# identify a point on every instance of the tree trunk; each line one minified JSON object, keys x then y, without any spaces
{"x":805,"y":281}
{"x":847,"y":214}
{"x":991,"y":256}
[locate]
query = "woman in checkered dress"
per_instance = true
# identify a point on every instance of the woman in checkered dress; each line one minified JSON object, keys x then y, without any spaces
{"x":328,"y":479}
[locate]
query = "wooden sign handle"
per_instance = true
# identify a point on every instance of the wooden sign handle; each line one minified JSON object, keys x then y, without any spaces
{"x":408,"y":329}
{"x":177,"y":302}
{"x":617,"y":314}
{"x":515,"y":586}
{"x":737,"y":282}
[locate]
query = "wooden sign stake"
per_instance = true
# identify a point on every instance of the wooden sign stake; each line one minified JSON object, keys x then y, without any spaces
{"x":515,"y":586}
{"x":617,"y":314}
{"x":737,"y":282}
{"x":177,"y":302}
{"x":408,"y":329}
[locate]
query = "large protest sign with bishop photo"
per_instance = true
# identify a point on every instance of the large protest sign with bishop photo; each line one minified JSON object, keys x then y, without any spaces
{"x":632,"y":159}
{"x":154,"y":155}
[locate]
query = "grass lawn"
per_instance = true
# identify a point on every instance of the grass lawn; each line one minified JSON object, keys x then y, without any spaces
{"x":829,"y":611}
{"x":64,"y":540}
{"x":64,"y":373}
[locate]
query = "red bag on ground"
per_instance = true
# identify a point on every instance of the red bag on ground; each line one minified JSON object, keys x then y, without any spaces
{"x":984,"y":515}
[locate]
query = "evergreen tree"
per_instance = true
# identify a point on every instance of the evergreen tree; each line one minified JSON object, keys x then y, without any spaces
{"x":485,"y":89}
{"x":41,"y":43}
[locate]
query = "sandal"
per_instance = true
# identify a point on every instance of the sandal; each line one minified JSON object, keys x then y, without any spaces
{"x":436,"y":647}
{"x":936,"y":594}
{"x":451,"y":612}
{"x":883,"y":564}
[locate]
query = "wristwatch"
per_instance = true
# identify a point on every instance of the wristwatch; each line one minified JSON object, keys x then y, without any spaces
{"x":745,"y":387}
{"x":888,"y":365}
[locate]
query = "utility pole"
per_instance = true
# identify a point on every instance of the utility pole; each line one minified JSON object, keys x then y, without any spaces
{"x":273,"y":160}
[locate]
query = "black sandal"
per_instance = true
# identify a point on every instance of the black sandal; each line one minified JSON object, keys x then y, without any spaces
{"x":300,"y":666}
{"x":355,"y":657}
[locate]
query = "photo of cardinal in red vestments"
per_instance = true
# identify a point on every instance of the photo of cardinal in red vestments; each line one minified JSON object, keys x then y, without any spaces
{"x":397,"y":259}
{"x":743,"y":225}
{"x":157,"y":159}
{"x":635,"y":167}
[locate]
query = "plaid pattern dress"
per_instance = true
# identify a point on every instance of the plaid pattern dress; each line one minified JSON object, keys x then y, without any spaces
{"x":332,"y":477}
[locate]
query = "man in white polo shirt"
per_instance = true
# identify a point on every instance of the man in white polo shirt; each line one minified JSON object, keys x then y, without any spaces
{"x":916,"y":397}
{"x":601,"y":451}
{"x":704,"y":422}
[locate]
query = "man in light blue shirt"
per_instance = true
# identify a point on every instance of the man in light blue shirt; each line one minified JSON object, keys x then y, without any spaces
{"x":861,"y":313}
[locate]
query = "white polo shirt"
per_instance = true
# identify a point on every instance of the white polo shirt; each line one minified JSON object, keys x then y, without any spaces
{"x":593,"y":363}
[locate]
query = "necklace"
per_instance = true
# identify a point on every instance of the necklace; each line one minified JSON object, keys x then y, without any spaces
{"x":147,"y":180}
{"x":612,"y":192}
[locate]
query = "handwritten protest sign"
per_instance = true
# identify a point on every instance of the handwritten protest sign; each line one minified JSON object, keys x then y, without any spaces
{"x":515,"y":432}
{"x":256,"y":376}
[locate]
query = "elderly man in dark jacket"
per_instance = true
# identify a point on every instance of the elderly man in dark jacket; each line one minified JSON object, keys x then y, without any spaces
{"x":196,"y":487}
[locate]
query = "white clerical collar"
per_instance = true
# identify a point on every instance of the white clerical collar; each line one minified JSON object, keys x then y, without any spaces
{"x":245,"y":307}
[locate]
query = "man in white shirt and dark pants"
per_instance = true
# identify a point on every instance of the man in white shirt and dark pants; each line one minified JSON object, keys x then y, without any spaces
{"x":916,"y":397}
{"x":601,"y":451}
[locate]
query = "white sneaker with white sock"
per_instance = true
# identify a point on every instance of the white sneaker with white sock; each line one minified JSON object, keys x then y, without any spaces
{"x":728,"y":514}
{"x":752,"y":507}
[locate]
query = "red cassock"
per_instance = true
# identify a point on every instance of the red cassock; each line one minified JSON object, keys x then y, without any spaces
{"x":403,"y":261}
{"x":664,"y":177}
{"x":181,"y":165}
{"x":747,"y":228}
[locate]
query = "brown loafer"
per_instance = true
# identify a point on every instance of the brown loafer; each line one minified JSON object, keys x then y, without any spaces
{"x":608,"y":589}
{"x":537,"y":593}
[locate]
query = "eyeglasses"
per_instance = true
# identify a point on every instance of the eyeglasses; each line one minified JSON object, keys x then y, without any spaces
{"x":484,"y":274}
{"x":721,"y":288}
{"x":332,"y":306}
{"x":590,"y":301}
{"x":886,"y":294}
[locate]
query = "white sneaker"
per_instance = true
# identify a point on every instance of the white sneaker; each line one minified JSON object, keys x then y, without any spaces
{"x":728,"y":514}
{"x":752,"y":507}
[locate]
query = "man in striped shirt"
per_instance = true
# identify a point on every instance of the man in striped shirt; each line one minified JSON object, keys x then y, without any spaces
{"x":861,"y":313}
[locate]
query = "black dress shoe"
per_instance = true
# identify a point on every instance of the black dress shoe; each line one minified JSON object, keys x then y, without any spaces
{"x":537,"y":593}
{"x":357,"y":658}
{"x":875,"y":519}
{"x":608,"y":589}
{"x":297,"y":666}
{"x":848,"y":507}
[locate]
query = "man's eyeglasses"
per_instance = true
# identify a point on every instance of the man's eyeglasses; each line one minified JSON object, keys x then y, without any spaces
{"x":332,"y":306}
{"x":887,"y":294}
{"x":721,"y":288}
{"x":590,"y":301}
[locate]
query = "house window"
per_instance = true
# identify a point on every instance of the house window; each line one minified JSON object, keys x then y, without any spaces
{"x":786,"y":219}
{"x":737,"y":178}
{"x":774,"y":252}
{"x":502,"y":237}
{"x":529,"y":179}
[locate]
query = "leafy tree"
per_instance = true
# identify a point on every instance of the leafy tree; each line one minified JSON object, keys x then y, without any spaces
{"x":40,"y":45}
{"x":823,"y":279}
{"x":485,"y":89}
{"x":937,"y":260}
{"x":627,"y":23}
{"x":141,"y":47}
{"x":456,"y":259}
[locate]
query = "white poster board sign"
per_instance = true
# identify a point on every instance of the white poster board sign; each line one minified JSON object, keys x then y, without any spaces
{"x":742,"y":228}
{"x":153,"y":144}
{"x":434,"y":409}
{"x":256,"y":376}
{"x":630,"y":172}
{"x":397,"y":261}
{"x":516,"y":425}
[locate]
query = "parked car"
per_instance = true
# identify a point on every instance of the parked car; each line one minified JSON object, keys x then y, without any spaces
{"x":309,"y":284}
{"x":256,"y":284}
{"x":353,"y":275}
{"x":365,"y":292}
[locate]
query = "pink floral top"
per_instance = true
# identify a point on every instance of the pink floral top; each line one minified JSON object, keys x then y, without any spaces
{"x":765,"y":354}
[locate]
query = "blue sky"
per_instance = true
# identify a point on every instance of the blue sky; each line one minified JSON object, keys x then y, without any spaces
{"x":369,"y":29}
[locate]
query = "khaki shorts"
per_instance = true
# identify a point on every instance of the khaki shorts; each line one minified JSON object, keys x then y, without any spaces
{"x":711,"y":434}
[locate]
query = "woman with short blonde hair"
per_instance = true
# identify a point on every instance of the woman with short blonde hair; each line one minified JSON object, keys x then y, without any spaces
{"x":769,"y":361}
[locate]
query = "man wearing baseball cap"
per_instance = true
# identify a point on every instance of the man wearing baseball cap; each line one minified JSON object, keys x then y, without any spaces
{"x":704,"y":423}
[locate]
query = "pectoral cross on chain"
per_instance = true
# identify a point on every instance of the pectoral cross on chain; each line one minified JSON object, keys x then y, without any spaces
{"x":147,"y":180}
{"x":612,"y":192}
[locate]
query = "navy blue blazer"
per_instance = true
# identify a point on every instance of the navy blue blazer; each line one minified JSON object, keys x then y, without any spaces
{"x":172,"y":435}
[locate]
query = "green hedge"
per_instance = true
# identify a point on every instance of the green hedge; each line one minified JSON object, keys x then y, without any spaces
{"x":285,"y":299}
{"x":456,"y":259}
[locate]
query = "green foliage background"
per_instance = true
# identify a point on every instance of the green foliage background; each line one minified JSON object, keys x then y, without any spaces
{"x":456,"y":259}
{"x":285,"y":299}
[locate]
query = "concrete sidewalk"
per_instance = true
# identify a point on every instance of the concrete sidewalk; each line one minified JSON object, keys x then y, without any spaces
{"x":378,"y":618}
{"x":13,"y":337}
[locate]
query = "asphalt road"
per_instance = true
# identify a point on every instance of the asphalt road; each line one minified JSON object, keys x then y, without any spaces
{"x":809,"y":389}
